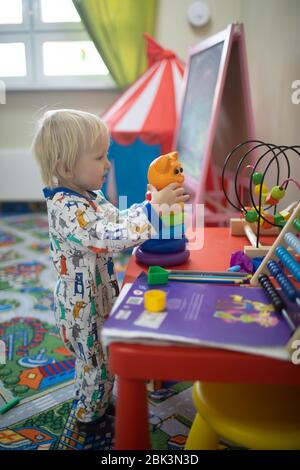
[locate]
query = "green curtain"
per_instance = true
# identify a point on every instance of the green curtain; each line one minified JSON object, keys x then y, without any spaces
{"x":116,"y":28}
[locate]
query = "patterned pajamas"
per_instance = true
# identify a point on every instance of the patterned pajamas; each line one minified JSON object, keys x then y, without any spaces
{"x":83,"y":234}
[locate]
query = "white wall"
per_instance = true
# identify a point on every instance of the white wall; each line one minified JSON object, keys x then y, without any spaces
{"x":272,"y":40}
{"x":174,"y":32}
{"x":19,"y":176}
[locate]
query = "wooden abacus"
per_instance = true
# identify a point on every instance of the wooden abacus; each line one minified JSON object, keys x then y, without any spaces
{"x":288,"y":238}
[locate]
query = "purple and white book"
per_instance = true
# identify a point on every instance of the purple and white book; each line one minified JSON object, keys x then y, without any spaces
{"x":230,"y":317}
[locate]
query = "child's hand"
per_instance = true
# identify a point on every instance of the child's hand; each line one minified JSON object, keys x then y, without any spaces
{"x":170,"y":195}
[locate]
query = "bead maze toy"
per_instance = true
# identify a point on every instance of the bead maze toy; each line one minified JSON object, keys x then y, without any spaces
{"x":260,"y":214}
{"x":168,"y":248}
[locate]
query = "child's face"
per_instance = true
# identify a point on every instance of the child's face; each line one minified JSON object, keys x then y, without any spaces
{"x":91,"y":168}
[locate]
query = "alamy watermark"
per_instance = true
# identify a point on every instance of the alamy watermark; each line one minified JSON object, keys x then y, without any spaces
{"x":169,"y":222}
{"x":2,"y":92}
{"x":295,"y":97}
{"x":295,"y":357}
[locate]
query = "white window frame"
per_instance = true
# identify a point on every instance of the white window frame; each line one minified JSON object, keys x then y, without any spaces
{"x":33,"y":32}
{"x":25,"y":26}
{"x":26,"y":81}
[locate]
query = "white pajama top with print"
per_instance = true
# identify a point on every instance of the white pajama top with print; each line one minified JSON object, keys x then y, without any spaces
{"x":84,"y":232}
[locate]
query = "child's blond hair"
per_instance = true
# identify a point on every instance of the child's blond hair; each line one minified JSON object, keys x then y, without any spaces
{"x":62,"y":136}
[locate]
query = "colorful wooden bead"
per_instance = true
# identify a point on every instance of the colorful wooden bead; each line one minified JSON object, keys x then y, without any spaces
{"x":293,"y":241}
{"x":257,"y":189}
{"x":296,"y":224}
{"x":278,"y":219}
{"x":263,"y":197}
{"x":257,"y":178}
{"x":288,"y":261}
{"x":270,"y":201}
{"x":251,"y":216}
{"x":285,"y":214}
{"x":269,"y":218}
{"x":261,"y":221}
{"x":277,"y":192}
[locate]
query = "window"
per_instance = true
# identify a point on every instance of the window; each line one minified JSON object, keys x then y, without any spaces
{"x":43,"y":45}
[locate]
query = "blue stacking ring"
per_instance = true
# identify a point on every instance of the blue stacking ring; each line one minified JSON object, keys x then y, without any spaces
{"x":164,"y":246}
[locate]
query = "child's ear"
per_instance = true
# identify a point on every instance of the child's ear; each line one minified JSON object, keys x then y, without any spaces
{"x":62,"y":171}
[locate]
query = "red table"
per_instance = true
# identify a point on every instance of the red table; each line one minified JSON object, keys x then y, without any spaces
{"x":134,"y":364}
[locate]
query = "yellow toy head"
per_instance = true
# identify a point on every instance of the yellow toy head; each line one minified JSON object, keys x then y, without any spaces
{"x":165,"y":170}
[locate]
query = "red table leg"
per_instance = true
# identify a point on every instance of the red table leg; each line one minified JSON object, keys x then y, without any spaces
{"x":132,"y":428}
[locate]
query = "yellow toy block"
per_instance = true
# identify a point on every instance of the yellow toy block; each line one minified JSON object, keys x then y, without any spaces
{"x":155,"y":300}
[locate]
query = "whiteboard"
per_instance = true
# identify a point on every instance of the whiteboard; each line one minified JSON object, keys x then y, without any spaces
{"x":197,"y":108}
{"x":216,"y":111}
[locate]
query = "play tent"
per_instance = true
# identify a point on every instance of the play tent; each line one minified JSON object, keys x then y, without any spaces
{"x":142,"y":123}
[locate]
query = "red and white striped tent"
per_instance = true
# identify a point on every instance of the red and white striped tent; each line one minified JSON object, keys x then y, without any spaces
{"x":142,"y":122}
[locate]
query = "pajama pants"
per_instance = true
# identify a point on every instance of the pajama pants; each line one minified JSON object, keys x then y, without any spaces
{"x":79,"y":317}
